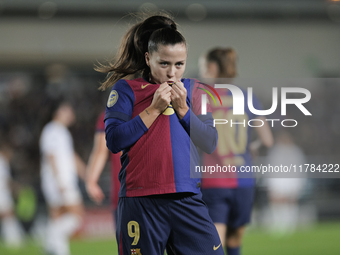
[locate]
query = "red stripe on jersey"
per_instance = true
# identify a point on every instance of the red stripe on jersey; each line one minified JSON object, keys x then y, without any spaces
{"x":115,"y":184}
{"x":159,"y":178}
{"x":148,"y":152}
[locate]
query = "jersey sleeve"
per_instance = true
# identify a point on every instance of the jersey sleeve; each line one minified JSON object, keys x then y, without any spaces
{"x":122,"y":131}
{"x":200,"y":127}
{"x":121,"y":135}
{"x":120,"y":102}
{"x":196,"y":98}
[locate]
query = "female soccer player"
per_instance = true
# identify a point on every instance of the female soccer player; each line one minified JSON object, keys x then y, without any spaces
{"x":149,"y":119}
{"x":59,"y":167}
{"x":10,"y":227}
{"x":230,"y":199}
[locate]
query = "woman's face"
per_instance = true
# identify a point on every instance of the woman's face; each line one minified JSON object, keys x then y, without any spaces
{"x":168,"y":63}
{"x":207,"y":69}
{"x":66,"y":114}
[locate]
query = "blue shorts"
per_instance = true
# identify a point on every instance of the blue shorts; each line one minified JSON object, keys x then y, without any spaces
{"x":230,"y":206}
{"x":179,"y":223}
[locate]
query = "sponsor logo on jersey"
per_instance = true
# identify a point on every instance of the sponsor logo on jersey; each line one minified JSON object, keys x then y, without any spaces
{"x":216,"y":247}
{"x":144,"y":86}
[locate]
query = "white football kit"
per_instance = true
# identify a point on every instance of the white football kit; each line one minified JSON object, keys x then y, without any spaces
{"x":6,"y":201}
{"x":56,"y":140}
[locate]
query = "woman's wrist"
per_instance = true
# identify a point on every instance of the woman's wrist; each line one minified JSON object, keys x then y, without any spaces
{"x":149,"y":115}
{"x":151,"y":111}
{"x":182,"y":112}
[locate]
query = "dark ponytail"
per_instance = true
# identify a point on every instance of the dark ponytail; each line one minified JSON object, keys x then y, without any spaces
{"x":225,"y":58}
{"x":142,"y":37}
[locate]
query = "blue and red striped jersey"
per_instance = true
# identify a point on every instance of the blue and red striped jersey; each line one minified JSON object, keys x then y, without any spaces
{"x":155,"y":160}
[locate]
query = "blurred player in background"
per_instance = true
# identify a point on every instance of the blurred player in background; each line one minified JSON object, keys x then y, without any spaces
{"x":59,"y":167}
{"x":10,"y":228}
{"x":230,"y":199}
{"x":284,"y":193}
{"x":96,"y":164}
{"x":149,"y":118}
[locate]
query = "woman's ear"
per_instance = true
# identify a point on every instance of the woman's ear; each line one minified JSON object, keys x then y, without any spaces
{"x":147,"y":59}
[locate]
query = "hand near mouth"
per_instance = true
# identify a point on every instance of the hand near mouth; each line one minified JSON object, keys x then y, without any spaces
{"x":178,"y":99}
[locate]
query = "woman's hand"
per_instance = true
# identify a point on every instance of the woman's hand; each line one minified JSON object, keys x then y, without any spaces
{"x":161,"y":98}
{"x":179,"y":99}
{"x":94,"y":191}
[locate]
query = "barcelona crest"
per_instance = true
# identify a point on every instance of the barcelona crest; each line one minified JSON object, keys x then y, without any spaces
{"x":135,"y":252}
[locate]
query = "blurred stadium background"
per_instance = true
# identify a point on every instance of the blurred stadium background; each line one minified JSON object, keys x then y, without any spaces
{"x":50,"y":48}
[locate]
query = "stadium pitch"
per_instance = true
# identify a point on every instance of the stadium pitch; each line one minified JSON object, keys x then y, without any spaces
{"x":322,"y":238}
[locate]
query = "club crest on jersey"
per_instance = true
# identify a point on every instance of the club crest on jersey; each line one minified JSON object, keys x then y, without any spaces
{"x":112,"y":98}
{"x":135,"y":252}
{"x":169,"y":111}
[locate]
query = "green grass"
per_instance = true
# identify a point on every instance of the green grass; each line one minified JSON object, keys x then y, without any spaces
{"x":102,"y":247}
{"x":78,"y":247}
{"x":321,"y":239}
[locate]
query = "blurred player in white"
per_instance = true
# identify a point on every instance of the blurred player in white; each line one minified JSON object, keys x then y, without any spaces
{"x":284,"y":193}
{"x":10,"y":227}
{"x":59,"y":166}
